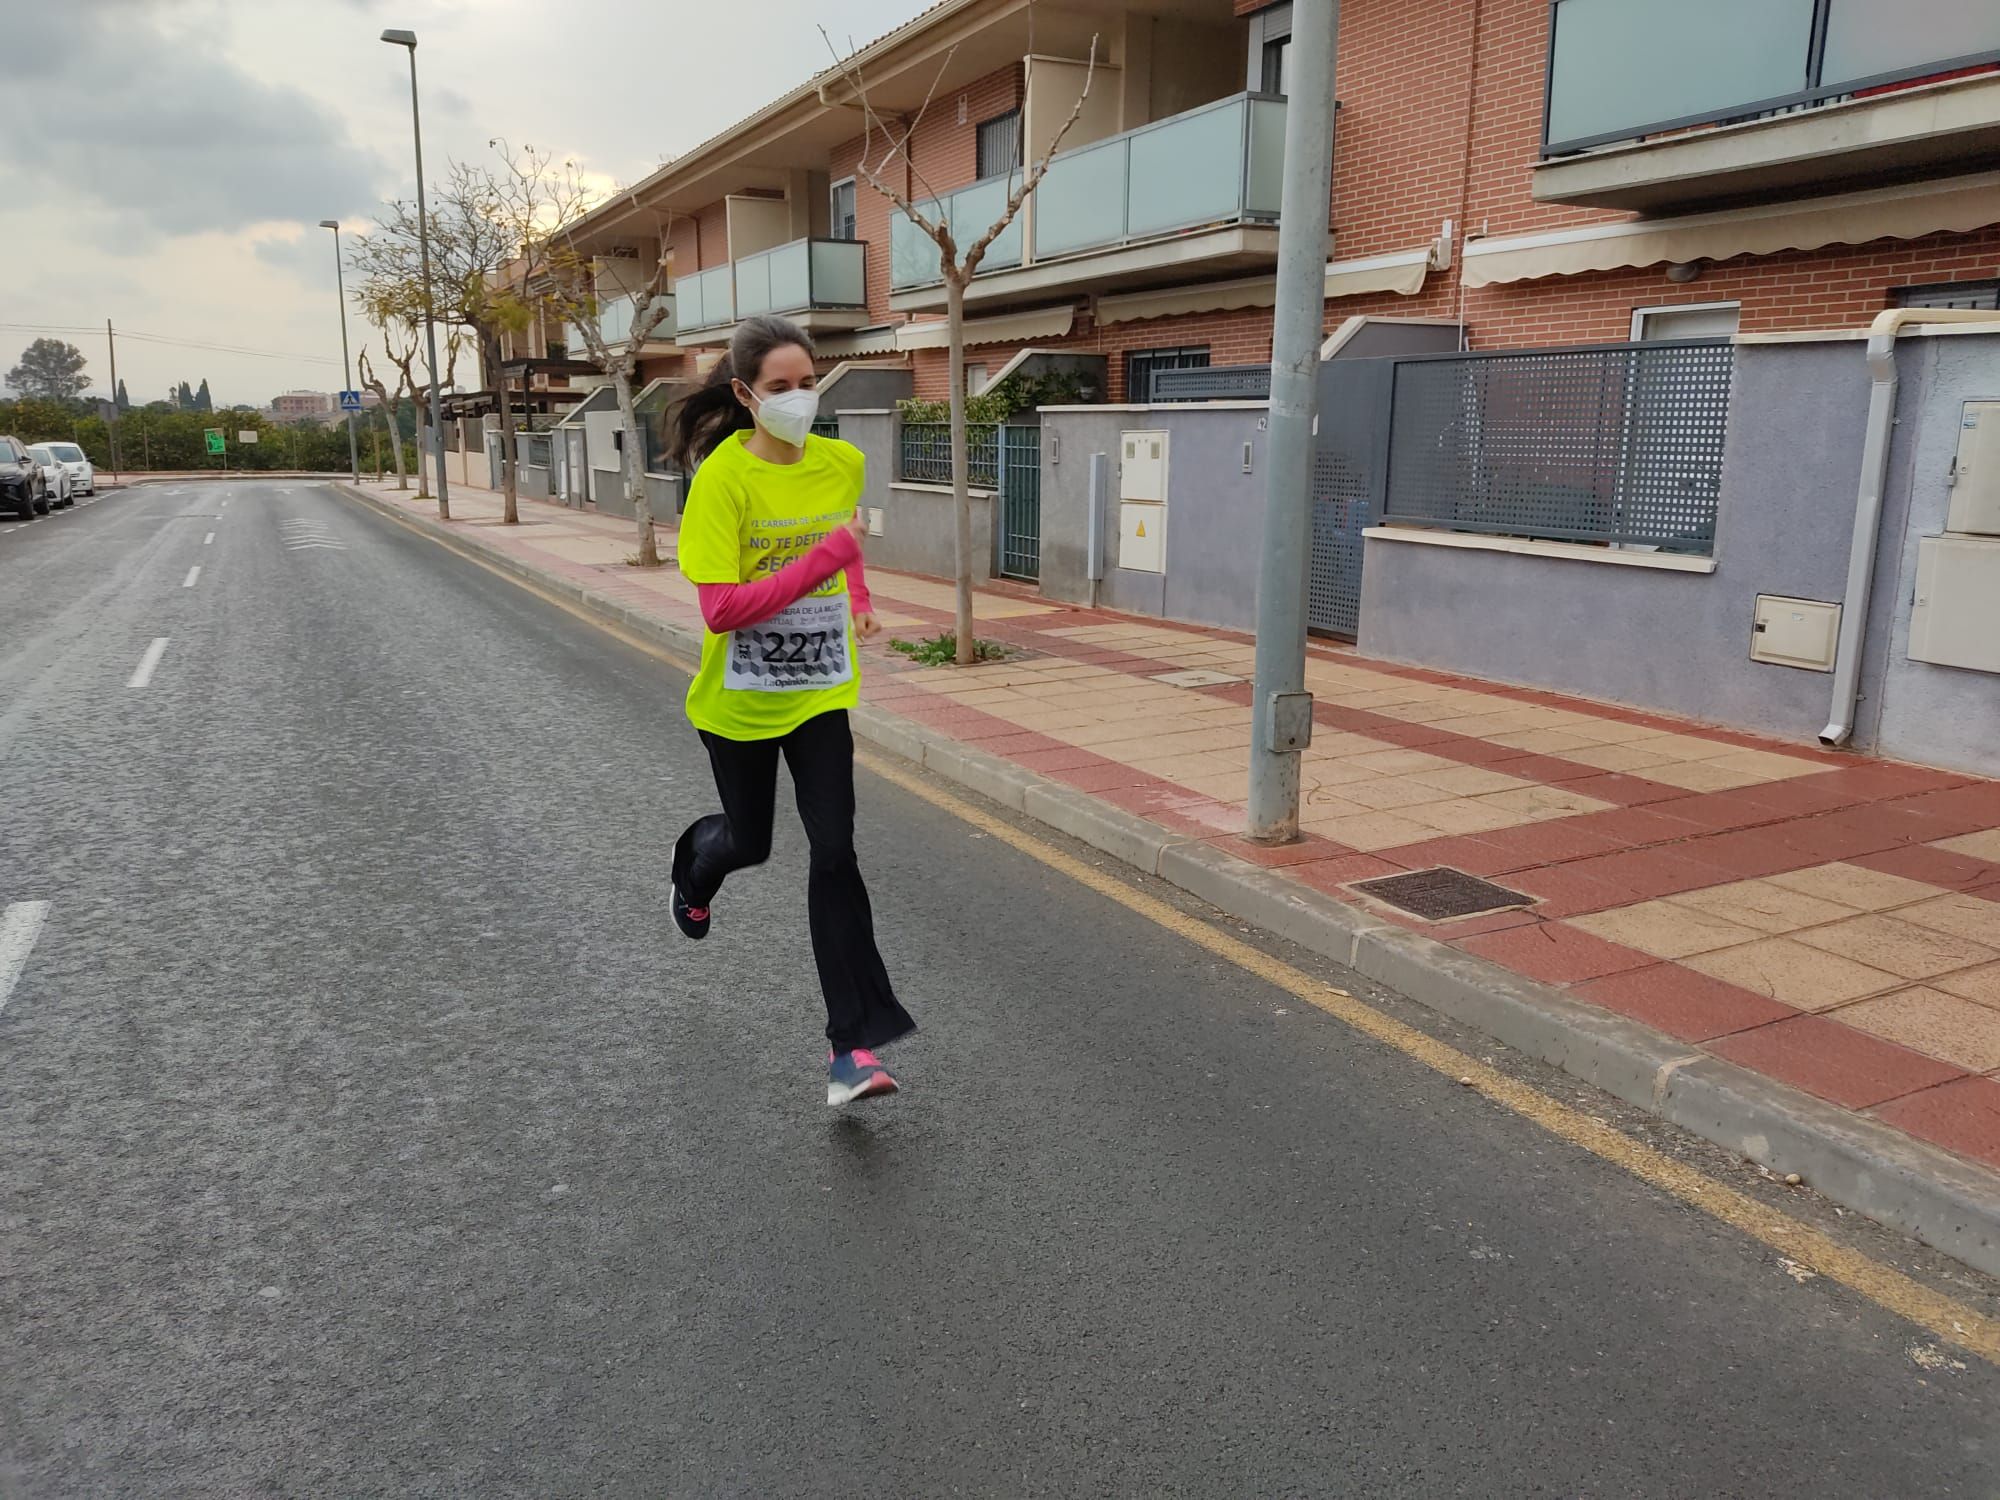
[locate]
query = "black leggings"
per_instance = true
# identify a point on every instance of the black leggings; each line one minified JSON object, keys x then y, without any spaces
{"x":861,"y":1008}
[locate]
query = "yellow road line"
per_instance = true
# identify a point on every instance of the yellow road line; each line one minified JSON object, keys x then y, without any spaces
{"x":1949,"y":1320}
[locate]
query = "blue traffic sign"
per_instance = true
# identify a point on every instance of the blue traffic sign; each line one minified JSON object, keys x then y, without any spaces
{"x":350,"y":401}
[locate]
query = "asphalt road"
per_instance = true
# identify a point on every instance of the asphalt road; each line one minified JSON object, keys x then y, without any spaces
{"x":365,"y":1129}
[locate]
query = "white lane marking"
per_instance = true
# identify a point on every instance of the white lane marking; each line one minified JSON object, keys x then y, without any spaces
{"x":20,"y":925}
{"x":208,"y":540}
{"x":149,"y":661}
{"x":223,"y":506}
{"x":193,"y":574}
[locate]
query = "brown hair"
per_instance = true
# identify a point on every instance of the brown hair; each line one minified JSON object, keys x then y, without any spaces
{"x":700,"y":423}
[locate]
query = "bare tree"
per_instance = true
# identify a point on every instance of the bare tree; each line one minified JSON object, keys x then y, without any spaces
{"x":469,"y":247}
{"x":576,"y":297}
{"x":957,"y":267}
{"x":388,"y":399}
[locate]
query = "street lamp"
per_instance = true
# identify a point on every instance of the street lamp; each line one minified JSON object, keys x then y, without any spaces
{"x":340,"y":287}
{"x":409,"y":39}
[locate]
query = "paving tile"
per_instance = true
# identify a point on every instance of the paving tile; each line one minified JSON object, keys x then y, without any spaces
{"x":1702,"y":776}
{"x":1532,"y":844}
{"x":1560,"y":892}
{"x":1898,"y":947}
{"x":1829,"y":836}
{"x":1966,"y":916}
{"x":1746,"y":851}
{"x":1493,"y":921}
{"x":1387,"y":793}
{"x":1798,"y":797}
{"x":1933,"y":866}
{"x":1836,"y":1062}
{"x":1723,"y":811}
{"x":1368,"y":832}
{"x":1636,"y":826}
{"x":1768,"y":908}
{"x":1400,"y":762}
{"x":1065,"y":758}
{"x":1461,"y":815}
{"x":1648,"y":873}
{"x":1554,"y":953}
{"x":1982,"y":845}
{"x":1332,"y":875}
{"x":1616,"y":757}
{"x":1851,"y":885}
{"x":1933,"y":1023}
{"x":1794,"y":974}
{"x":1552,"y":770}
{"x":1475,"y":856}
{"x":1982,"y":985}
{"x":1468,"y":781}
{"x":1961,"y":1116}
{"x":1097,"y":778}
{"x":1682,"y":1003}
{"x":1665,"y":930}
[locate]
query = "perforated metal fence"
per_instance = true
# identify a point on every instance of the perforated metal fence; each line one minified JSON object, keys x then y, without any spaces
{"x":923,"y":453}
{"x":1340,"y":513}
{"x":1619,"y":444}
{"x":826,"y":427}
{"x":1213,"y":383}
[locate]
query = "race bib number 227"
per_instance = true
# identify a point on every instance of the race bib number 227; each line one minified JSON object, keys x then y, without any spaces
{"x":802,"y":647}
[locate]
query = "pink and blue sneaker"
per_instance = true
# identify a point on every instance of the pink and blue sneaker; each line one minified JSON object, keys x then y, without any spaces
{"x":856,"y":1075}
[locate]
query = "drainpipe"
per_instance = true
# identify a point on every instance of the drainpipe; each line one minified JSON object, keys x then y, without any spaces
{"x":1868,"y":503}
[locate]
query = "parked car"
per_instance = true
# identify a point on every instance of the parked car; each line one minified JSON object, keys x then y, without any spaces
{"x":22,"y":488}
{"x":55,"y":475}
{"x":82,"y":473}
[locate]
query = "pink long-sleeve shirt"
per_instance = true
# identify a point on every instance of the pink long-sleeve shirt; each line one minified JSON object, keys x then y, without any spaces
{"x":734,"y":606}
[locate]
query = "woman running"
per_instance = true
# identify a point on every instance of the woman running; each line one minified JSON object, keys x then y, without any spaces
{"x":771,"y":542}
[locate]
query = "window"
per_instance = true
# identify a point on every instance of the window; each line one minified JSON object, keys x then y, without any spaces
{"x":999,"y":144}
{"x":1974,"y":296}
{"x":1141,"y":365}
{"x":842,"y":221}
{"x":1689,"y":320}
{"x":1276,"y":54}
{"x":975,"y":379}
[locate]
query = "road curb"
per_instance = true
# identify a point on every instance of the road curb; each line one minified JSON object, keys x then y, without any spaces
{"x":1940,"y":1199}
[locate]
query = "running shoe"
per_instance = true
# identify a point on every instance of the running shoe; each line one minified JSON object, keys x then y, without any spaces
{"x":692,"y":920}
{"x":856,"y":1075}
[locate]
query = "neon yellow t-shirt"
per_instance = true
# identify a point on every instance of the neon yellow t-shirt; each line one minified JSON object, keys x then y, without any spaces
{"x":745,"y":520}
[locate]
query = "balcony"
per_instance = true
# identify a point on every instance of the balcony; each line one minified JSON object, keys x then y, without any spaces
{"x":1189,"y":196}
{"x":615,"y":312}
{"x":819,"y":284}
{"x":1780,"y":98}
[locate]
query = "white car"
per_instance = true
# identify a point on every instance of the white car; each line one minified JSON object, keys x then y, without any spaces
{"x":82,"y":476}
{"x":55,"y":475}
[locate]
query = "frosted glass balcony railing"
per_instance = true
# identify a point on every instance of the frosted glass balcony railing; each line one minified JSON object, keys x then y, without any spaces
{"x":1223,"y":163}
{"x":1616,"y":72}
{"x":803,"y":275}
{"x":706,"y":299}
{"x":615,"y":313}
{"x":969,"y":213}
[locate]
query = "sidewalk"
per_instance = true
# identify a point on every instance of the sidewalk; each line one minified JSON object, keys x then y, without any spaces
{"x":1825,"y":921}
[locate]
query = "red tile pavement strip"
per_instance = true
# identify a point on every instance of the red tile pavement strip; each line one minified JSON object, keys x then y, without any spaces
{"x":1656,"y":840}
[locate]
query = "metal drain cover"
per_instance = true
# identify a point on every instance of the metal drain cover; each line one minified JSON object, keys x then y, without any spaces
{"x":1443,"y":893}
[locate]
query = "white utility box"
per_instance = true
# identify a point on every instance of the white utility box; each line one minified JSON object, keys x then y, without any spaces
{"x":1142,"y":469}
{"x":1142,"y":536}
{"x":1795,"y":632}
{"x":1975,"y":472}
{"x":1955,"y":621}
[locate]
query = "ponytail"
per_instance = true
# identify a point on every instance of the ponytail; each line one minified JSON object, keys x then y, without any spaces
{"x":704,"y":419}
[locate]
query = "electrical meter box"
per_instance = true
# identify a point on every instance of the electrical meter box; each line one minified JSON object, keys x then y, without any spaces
{"x":1795,"y":632}
{"x":1955,"y":615}
{"x":1142,"y":536}
{"x":1142,"y":468}
{"x":1975,"y":472}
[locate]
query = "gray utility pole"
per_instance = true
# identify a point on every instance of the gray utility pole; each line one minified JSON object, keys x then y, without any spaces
{"x":346,"y":363}
{"x":1281,"y":709}
{"x":111,"y":341}
{"x":409,"y":39}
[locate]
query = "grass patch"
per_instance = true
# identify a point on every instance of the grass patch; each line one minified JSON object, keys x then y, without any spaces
{"x":942,"y":650}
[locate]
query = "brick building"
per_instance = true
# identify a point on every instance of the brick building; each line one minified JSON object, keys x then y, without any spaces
{"x":1458,"y":192}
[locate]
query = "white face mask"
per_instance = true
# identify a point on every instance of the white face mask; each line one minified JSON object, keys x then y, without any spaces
{"x":787,"y":416}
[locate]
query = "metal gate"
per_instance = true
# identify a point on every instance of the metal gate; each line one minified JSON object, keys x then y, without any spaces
{"x":1020,"y":500}
{"x":1349,"y":465}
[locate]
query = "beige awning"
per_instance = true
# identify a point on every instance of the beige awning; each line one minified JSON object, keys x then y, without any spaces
{"x":861,"y":341}
{"x":1402,"y":272}
{"x":1009,"y":328}
{"x":1900,"y":213}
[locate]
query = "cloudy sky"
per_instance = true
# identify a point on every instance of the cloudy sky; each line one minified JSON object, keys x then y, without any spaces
{"x":165,"y":163}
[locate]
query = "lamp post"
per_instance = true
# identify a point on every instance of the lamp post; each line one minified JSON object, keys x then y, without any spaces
{"x":346,"y":363}
{"x":409,"y":39}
